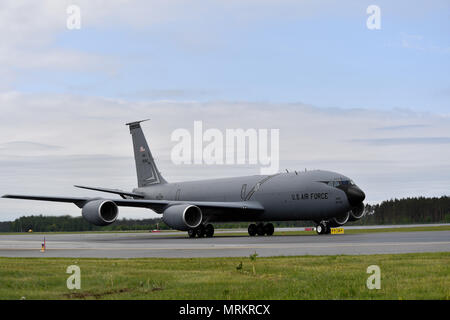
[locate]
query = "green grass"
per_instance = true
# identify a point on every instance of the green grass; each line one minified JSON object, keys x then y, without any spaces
{"x":403,"y":276}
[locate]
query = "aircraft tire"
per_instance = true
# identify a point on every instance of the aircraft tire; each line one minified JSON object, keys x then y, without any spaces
{"x":321,"y":228}
{"x":252,"y":230}
{"x":260,"y":229}
{"x":200,"y":231}
{"x":192,"y":233}
{"x":269,"y":229}
{"x":209,"y":230}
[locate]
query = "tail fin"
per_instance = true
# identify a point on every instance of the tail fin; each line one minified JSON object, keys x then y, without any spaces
{"x":147,"y":172}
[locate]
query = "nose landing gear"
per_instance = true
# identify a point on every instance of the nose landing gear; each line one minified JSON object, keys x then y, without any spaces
{"x":323,"y":228}
{"x":261,"y":229}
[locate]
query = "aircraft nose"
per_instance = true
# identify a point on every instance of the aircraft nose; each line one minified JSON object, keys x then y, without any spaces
{"x":355,"y":195}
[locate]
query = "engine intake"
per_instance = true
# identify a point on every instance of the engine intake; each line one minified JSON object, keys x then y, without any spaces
{"x":340,"y":220}
{"x":357,"y":212}
{"x":100,"y":212}
{"x":182,"y":216}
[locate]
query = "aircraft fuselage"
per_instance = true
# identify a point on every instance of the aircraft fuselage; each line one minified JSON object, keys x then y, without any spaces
{"x":284,"y":196}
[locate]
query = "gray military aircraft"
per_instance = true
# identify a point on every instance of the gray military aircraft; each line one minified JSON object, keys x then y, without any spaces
{"x":327,"y":198}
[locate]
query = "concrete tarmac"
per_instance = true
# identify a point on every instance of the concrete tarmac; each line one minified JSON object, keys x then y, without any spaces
{"x":177,"y":245}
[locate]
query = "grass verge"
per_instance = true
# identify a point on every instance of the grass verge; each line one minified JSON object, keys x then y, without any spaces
{"x":403,"y":276}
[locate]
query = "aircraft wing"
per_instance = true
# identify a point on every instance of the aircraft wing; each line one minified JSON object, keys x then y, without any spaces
{"x":156,"y":205}
{"x":80,"y":202}
{"x":121,"y":193}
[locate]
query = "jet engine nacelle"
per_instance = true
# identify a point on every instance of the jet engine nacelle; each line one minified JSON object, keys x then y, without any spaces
{"x":340,"y":220}
{"x":182,"y":216}
{"x":357,"y":212}
{"x":100,"y":212}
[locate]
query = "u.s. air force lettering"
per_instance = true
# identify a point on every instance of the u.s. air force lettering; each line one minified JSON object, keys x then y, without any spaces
{"x":310,"y":196}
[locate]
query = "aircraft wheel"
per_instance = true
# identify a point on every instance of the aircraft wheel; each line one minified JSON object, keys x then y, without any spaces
{"x":252,"y":230}
{"x":201,"y":231}
{"x":192,"y":233}
{"x":269,"y":229}
{"x":260,"y":229}
{"x":209,"y":230}
{"x":321,"y":228}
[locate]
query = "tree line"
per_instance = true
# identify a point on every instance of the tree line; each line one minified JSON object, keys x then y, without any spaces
{"x":394,"y":211}
{"x":43,"y":223}
{"x":408,"y":210}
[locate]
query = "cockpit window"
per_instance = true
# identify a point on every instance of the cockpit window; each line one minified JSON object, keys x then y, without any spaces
{"x":338,"y":183}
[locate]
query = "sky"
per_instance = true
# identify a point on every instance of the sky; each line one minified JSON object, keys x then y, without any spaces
{"x":373,"y":105}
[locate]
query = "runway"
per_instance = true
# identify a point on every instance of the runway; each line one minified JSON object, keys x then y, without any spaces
{"x":140,"y":245}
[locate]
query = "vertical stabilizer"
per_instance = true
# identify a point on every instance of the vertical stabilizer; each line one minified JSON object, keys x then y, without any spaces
{"x":147,"y":172}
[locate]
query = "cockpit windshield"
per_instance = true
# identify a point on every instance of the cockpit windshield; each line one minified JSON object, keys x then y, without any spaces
{"x":338,"y":183}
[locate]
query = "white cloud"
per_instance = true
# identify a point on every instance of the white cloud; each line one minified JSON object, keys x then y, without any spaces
{"x":28,"y":28}
{"x":418,"y":42}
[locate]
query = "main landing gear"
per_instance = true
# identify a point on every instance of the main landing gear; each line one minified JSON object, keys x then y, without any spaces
{"x":323,"y":228}
{"x":261,"y":229}
{"x":202,"y":231}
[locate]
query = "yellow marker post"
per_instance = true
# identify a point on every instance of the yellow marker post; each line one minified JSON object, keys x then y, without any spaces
{"x":337,"y":230}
